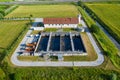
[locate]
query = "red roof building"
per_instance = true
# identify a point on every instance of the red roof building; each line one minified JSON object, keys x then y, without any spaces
{"x":60,"y":21}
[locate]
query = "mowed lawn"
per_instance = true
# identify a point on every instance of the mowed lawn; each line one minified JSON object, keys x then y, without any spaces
{"x":45,"y":11}
{"x":110,"y":15}
{"x":9,"y":30}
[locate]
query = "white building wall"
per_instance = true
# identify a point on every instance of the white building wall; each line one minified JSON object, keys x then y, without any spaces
{"x":79,"y":18}
{"x":60,"y":25}
{"x":38,"y":28}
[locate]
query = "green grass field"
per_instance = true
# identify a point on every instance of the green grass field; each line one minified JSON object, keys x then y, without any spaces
{"x":62,"y":73}
{"x":110,"y":15}
{"x":9,"y":30}
{"x":45,"y":11}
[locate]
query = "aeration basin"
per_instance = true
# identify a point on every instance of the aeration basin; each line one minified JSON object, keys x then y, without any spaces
{"x":65,"y":43}
{"x":78,"y":44}
{"x":43,"y":43}
{"x":55,"y":43}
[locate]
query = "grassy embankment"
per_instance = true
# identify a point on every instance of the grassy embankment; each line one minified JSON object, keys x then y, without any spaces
{"x":106,"y":44}
{"x":110,"y":17}
{"x":9,"y":30}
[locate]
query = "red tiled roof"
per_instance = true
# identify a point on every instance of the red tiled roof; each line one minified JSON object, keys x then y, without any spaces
{"x":60,"y":21}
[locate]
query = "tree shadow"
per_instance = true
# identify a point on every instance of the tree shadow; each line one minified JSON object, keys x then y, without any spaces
{"x":105,"y":77}
{"x":2,"y":48}
{"x":11,"y":76}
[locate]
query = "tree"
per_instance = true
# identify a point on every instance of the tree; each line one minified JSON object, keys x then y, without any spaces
{"x":94,"y":28}
{"x":30,"y":18}
{"x":80,"y":3}
{"x":31,"y":15}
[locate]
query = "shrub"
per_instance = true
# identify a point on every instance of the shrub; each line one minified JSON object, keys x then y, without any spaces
{"x":113,"y":76}
{"x":94,"y":28}
{"x":2,"y":74}
{"x":1,"y":15}
{"x":80,"y":25}
{"x":2,"y":12}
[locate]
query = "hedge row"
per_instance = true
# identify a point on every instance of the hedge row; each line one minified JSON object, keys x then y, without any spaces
{"x":17,"y":18}
{"x":7,"y":11}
